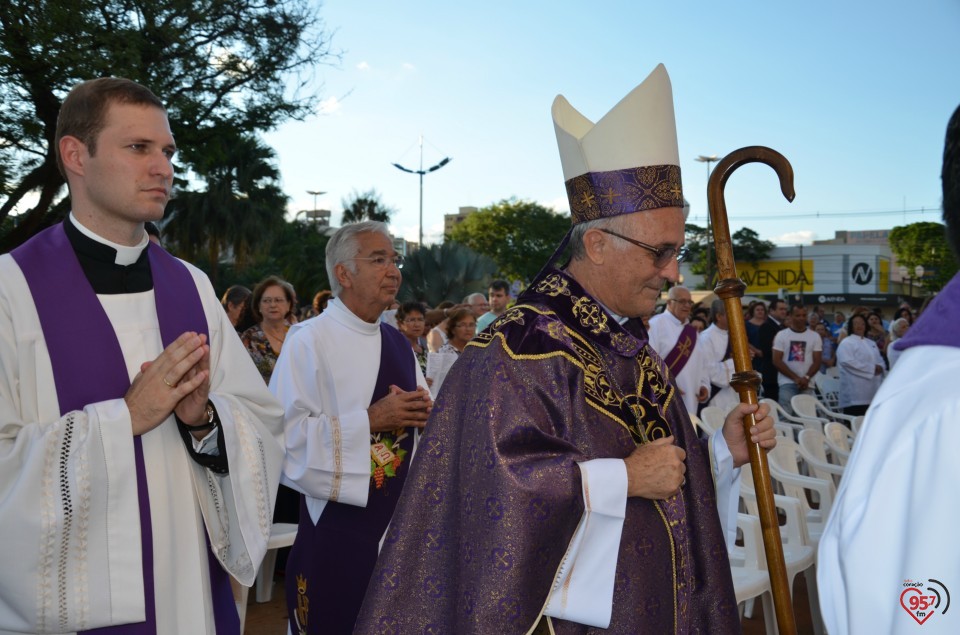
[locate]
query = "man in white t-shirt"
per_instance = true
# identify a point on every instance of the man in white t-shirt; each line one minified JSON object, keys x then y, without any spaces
{"x":796,"y":356}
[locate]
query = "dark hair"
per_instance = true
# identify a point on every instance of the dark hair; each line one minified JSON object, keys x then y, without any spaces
{"x":500,"y":285}
{"x":266,"y":283}
{"x":235,"y":295}
{"x":446,"y":304}
{"x":84,"y":111}
{"x":457,"y":315}
{"x":950,"y":175}
{"x":320,"y":300}
{"x":774,"y":304}
{"x":717,"y":307}
{"x":797,"y":305}
{"x":433,"y":317}
{"x":407,"y":307}
{"x":699,"y":318}
{"x":857,"y":316}
{"x":904,"y":312}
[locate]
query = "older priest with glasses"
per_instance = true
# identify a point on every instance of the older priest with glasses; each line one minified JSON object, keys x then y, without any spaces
{"x":560,"y":486}
{"x":354,"y":397}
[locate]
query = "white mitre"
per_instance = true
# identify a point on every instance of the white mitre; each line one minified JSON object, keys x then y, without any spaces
{"x":628,"y":161}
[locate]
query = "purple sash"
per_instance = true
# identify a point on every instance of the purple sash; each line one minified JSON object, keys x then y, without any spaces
{"x":78,"y":333}
{"x":677,"y":358}
{"x":330,"y":563}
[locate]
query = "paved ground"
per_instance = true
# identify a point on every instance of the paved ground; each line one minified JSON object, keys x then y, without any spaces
{"x":271,"y":618}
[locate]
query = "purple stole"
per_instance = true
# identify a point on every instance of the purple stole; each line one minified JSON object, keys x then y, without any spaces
{"x":78,"y":333}
{"x":330,"y":563}
{"x":678,"y":357}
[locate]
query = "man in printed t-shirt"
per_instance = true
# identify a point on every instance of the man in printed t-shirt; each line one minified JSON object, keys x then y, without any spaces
{"x":796,"y":355}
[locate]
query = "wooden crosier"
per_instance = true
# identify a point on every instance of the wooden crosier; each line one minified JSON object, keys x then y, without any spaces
{"x":746,"y":380}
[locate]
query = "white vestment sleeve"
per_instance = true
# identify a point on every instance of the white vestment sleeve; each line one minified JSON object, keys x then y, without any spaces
{"x":251,"y":424}
{"x":726,"y":479}
{"x":582,"y":591}
{"x":327,"y":451}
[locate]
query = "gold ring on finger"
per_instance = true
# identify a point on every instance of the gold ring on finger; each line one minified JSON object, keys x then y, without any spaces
{"x":168,"y":383}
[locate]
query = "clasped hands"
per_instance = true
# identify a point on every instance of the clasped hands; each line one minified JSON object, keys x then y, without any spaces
{"x":400,"y":409}
{"x":177,"y":381}
{"x":657,"y":470}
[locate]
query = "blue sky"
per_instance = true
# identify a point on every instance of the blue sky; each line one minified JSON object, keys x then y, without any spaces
{"x":855,"y":94}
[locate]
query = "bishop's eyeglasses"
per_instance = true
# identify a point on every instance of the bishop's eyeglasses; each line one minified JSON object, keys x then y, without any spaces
{"x":662,"y":256}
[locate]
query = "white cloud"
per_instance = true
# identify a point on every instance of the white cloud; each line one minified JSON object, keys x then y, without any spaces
{"x":407,"y":66}
{"x":560,"y":205}
{"x":804,"y":237}
{"x":329,"y":106}
{"x":363,"y":66}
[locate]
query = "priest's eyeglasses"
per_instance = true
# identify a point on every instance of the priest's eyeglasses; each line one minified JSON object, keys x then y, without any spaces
{"x":381,"y":262}
{"x":662,"y":256}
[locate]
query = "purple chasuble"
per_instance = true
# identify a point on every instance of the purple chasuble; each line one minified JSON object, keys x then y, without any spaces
{"x":330,"y":563}
{"x":677,"y":358}
{"x":77,"y":336}
{"x":495,"y":495}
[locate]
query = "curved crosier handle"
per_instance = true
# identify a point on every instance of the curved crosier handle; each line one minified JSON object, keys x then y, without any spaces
{"x":746,"y":381}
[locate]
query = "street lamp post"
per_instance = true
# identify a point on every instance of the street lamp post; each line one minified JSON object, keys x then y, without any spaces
{"x":708,"y":160}
{"x":918,"y":272}
{"x":421,"y":172}
{"x":315,"y":194}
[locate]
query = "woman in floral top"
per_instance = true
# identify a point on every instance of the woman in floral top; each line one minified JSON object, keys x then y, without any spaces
{"x":271,"y":303}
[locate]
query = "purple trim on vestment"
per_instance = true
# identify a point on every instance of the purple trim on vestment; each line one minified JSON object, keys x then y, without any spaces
{"x":681,"y":352}
{"x":936,"y":326}
{"x":61,"y":294}
{"x":330,"y":563}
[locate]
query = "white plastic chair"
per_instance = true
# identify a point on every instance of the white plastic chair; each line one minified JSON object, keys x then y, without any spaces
{"x":813,"y":449}
{"x":795,"y":423}
{"x":828,"y":389}
{"x":712,"y":418}
{"x":799,"y":553}
{"x":784,"y":461}
{"x":750,"y":578}
{"x":839,"y":438}
{"x":810,"y":406}
{"x":281,"y":535}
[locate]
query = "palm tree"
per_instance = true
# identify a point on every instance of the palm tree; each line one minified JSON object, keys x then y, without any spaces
{"x":366,"y":206}
{"x":444,"y":272}
{"x":241,"y":209}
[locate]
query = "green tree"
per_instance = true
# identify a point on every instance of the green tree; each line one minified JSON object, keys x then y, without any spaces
{"x":448,"y":271}
{"x":240,"y":208}
{"x":519,"y":236}
{"x":366,"y":206}
{"x":747,"y":245}
{"x":238,"y":64}
{"x":925,"y":244}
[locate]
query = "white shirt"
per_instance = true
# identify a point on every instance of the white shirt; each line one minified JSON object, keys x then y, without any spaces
{"x":798,"y":350}
{"x":857,"y":359}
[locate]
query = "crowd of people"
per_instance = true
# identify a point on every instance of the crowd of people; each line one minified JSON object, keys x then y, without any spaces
{"x":789,"y":346}
{"x":559,"y":485}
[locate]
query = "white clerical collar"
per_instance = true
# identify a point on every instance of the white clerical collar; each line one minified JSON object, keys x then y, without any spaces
{"x":126,"y":255}
{"x":349,"y":319}
{"x":617,"y":318}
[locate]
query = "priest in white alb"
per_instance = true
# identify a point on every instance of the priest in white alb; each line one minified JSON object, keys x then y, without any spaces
{"x":139,"y":448}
